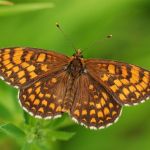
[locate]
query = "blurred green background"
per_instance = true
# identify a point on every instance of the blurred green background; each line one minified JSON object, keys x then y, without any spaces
{"x":31,"y":23}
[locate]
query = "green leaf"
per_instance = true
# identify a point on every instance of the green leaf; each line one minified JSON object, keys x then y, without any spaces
{"x":5,"y":2}
{"x":19,"y":8}
{"x":12,"y":130}
{"x":60,"y":135}
{"x":4,"y":113}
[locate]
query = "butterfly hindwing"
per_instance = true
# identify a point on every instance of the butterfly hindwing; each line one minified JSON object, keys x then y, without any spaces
{"x":93,"y":106}
{"x":23,"y":66}
{"x":128,"y":84}
{"x":44,"y":98}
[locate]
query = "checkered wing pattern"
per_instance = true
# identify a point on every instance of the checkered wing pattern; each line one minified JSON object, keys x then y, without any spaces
{"x":128,"y":84}
{"x":93,"y":106}
{"x":44,"y":98}
{"x":23,"y":66}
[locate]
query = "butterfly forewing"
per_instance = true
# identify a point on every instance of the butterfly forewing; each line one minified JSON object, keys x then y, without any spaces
{"x":93,"y":106}
{"x":127,"y":83}
{"x":23,"y":66}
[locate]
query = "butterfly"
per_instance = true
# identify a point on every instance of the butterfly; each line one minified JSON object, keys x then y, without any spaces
{"x":91,"y":91}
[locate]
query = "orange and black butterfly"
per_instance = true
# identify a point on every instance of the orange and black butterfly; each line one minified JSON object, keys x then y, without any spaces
{"x":91,"y":91}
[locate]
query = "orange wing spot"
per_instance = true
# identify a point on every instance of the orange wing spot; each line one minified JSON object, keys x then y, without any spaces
{"x":32,"y":97}
{"x":146,"y":80}
{"x":114,"y":113}
{"x":114,"y":88}
{"x":132,"y":88}
{"x":106,"y":111}
{"x":92,"y":112}
{"x":52,"y":106}
{"x":126,"y":91}
{"x":84,"y":112}
{"x":38,"y":90}
{"x":91,"y":87}
{"x":111,"y":105}
{"x":41,"y":95}
{"x":76,"y":112}
{"x":37,"y":83}
{"x":18,"y":49}
{"x":102,"y":101}
{"x":100,"y":114}
{"x":118,"y":83}
{"x":24,"y":97}
{"x":28,"y":56}
{"x":29,"y":90}
{"x":9,"y":73}
{"x":44,"y":68}
{"x":9,"y":66}
{"x":44,"y":102}
{"x":53,"y":80}
{"x":108,"y":118}
{"x":54,"y":96}
{"x":24,"y":65}
{"x":95,"y":96}
{"x":22,"y":81}
{"x":104,"y":77}
{"x":36,"y":102}
{"x":111,"y":69}
{"x":139,"y":87}
{"x":122,"y":97}
{"x":17,"y":60}
{"x":33,"y":75}
{"x":137,"y":94}
{"x":15,"y":69}
{"x":6,"y":62}
{"x":98,"y":106}
{"x":134,"y":79}
{"x":7,"y":50}
{"x":124,"y":71}
{"x":105,"y":95}
{"x":58,"y":109}
{"x":143,"y":84}
{"x":91,"y":103}
{"x":41,"y":110}
{"x":48,"y":95}
{"x":7,"y":56}
{"x":20,"y":74}
{"x":125,"y":81}
{"x":27,"y":103}
{"x":60,"y":100}
{"x":93,"y":120}
{"x":41,"y":57}
{"x":31,"y":68}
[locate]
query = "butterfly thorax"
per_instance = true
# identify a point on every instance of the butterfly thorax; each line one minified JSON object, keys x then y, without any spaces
{"x":76,"y":67}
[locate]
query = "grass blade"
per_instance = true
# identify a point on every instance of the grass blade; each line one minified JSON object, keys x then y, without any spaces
{"x":20,"y":8}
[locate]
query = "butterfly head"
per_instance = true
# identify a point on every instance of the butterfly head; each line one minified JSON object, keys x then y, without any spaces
{"x":78,"y":54}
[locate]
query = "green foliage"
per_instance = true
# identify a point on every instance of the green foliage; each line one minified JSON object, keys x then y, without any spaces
{"x":31,"y":23}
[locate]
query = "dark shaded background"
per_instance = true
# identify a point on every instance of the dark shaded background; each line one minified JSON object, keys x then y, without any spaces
{"x":84,"y":22}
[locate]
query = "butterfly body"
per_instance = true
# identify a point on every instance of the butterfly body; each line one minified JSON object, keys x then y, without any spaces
{"x":91,"y":91}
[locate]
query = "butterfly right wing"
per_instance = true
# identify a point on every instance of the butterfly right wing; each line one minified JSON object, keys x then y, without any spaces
{"x":23,"y":66}
{"x":93,"y":106}
{"x":128,"y":84}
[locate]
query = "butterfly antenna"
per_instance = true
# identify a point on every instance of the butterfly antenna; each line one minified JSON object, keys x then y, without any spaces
{"x":66,"y":36}
{"x":97,"y":42}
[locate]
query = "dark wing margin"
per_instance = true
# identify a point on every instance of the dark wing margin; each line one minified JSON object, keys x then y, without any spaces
{"x":93,"y":106}
{"x":23,"y":66}
{"x":128,"y":84}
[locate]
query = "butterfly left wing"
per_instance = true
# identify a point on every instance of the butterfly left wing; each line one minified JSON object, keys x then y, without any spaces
{"x":93,"y":106}
{"x":128,"y":84}
{"x":44,"y":98}
{"x":23,"y":66}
